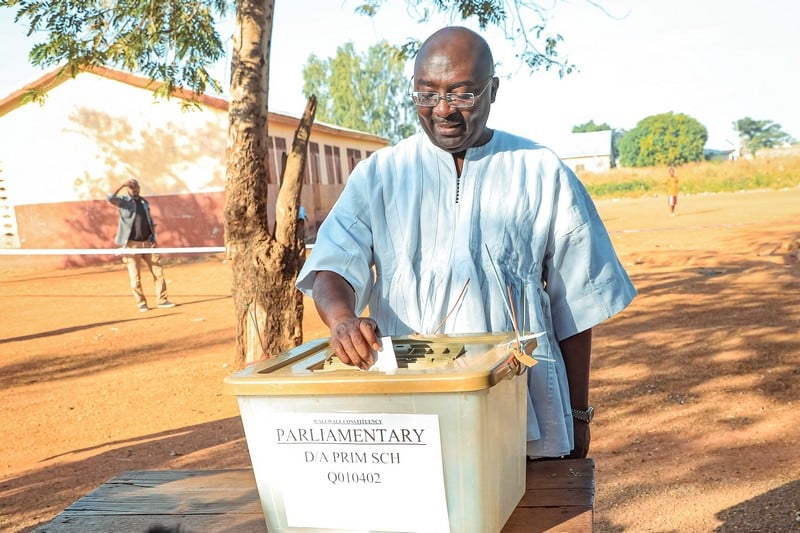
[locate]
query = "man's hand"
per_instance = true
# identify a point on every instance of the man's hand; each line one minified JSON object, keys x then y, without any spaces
{"x":125,"y":184}
{"x":582,"y":439}
{"x":353,"y":341}
{"x":352,"y":337}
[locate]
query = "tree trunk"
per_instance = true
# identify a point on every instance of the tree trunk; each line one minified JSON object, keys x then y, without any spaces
{"x":268,"y":309}
{"x":283,"y":325}
{"x":289,"y":239}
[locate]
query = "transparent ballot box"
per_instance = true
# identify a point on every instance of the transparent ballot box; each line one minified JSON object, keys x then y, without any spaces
{"x":437,"y":444}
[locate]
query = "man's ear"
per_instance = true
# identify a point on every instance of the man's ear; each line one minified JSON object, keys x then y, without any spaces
{"x":495,"y":86}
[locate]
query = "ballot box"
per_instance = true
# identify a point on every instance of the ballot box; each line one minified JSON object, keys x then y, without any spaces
{"x":437,"y":444}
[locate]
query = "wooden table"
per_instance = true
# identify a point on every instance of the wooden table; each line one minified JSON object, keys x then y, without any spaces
{"x":560,"y":497}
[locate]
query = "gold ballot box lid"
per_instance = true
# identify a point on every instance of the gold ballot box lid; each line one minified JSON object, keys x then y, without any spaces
{"x":427,"y":364}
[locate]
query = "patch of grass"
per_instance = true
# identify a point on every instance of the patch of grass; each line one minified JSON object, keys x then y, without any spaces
{"x":625,"y":188}
{"x":775,"y":172}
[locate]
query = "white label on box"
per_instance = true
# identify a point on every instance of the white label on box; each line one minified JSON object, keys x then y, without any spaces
{"x":360,"y":472}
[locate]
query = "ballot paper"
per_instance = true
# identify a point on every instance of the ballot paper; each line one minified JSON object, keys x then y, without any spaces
{"x":385,"y":358}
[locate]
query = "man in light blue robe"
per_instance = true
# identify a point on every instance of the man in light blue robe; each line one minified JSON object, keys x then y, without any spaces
{"x":419,"y":221}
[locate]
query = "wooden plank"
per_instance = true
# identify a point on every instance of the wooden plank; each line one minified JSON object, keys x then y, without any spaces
{"x":550,"y":520}
{"x":170,"y":492}
{"x":564,"y":473}
{"x":559,"y":497}
{"x":197,"y":500}
{"x":140,"y":523}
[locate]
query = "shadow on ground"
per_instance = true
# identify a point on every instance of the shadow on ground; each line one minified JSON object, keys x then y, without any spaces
{"x":212,"y":445}
{"x":775,"y":511}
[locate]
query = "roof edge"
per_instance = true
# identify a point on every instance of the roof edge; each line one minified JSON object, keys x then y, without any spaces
{"x":50,"y":80}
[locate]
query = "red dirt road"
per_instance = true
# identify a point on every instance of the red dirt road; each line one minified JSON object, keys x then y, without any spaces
{"x":696,"y":385}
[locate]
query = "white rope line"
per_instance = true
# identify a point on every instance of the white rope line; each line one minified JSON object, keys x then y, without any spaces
{"x":117,"y":251}
{"x":110,"y":251}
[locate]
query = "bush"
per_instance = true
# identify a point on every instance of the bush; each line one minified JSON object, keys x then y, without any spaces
{"x":665,"y":139}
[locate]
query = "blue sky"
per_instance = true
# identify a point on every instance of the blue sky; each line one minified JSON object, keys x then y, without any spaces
{"x":715,"y":60}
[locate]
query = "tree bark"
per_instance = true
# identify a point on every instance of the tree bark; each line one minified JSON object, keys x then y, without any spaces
{"x":283,"y":327}
{"x":267,"y":308}
{"x":245,"y":213}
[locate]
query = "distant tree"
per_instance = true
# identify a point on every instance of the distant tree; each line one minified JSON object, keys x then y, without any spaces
{"x":366,"y":92}
{"x":757,"y":134}
{"x":523,"y":22}
{"x":665,"y":139}
{"x":589,"y":127}
{"x":173,"y":43}
{"x":616,"y":137}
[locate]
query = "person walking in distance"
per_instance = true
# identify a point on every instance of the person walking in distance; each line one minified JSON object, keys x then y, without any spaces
{"x":672,"y":184}
{"x":137,"y":230}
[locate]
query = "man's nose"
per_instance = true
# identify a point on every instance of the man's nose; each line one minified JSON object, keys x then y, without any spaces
{"x":443,"y":107}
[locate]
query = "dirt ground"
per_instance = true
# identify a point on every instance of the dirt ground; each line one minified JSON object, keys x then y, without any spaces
{"x":696,"y":385}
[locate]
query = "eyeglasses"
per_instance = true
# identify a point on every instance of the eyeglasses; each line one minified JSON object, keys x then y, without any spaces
{"x":454,"y":100}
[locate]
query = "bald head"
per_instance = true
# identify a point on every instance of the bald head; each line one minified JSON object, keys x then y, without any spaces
{"x":456,"y":45}
{"x":455,"y":61}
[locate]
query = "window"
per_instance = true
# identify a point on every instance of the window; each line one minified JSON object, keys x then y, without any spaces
{"x":276,"y":153}
{"x":353,"y":157}
{"x":271,"y":167}
{"x":282,"y":156}
{"x":333,"y":164}
{"x":312,"y":165}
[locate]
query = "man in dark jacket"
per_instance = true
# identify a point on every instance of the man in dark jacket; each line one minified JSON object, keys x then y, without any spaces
{"x":137,"y":230}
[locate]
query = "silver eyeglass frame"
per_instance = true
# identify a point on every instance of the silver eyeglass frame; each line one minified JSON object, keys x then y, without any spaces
{"x":448,"y":97}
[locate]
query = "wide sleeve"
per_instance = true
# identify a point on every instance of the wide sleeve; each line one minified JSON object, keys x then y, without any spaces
{"x":584,"y":277}
{"x":118,"y":201}
{"x":344,"y":241}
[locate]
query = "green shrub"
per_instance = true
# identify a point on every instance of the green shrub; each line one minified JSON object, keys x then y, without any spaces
{"x":619,"y":189}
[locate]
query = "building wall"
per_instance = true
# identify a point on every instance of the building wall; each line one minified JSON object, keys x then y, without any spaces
{"x":60,"y":159}
{"x":586,"y":151}
{"x":598,"y":163}
{"x":182,"y":220}
{"x":93,"y":133}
